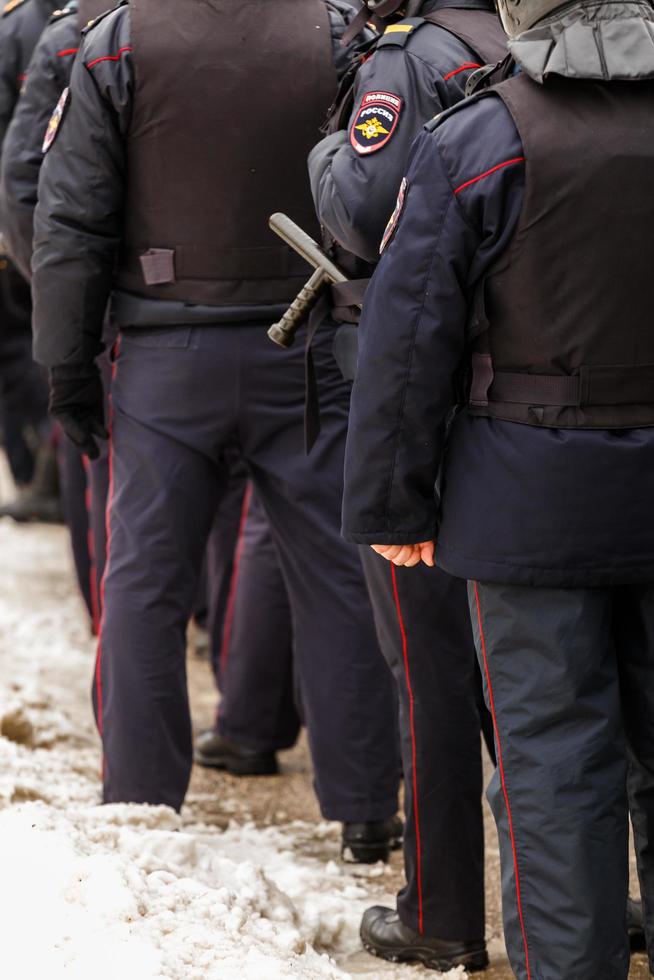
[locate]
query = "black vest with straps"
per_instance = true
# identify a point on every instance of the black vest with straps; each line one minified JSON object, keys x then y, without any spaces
{"x":566,"y":339}
{"x":228,"y":102}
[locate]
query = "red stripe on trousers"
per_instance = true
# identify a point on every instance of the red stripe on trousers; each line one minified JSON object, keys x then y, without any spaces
{"x":416,"y":808}
{"x":90,"y":538}
{"x":110,"y":500}
{"x":503,"y":780}
{"x":231,"y":599}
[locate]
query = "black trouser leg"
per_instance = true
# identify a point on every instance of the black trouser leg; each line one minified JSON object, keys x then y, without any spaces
{"x":559,"y":794}
{"x":258,"y":703}
{"x":423,"y":625}
{"x":634,"y":628}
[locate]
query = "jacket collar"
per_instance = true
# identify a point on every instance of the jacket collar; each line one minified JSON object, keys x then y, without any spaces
{"x":591,"y":39}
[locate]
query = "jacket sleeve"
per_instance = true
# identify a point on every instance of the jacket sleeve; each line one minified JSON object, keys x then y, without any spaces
{"x":78,"y":219}
{"x":22,"y":154}
{"x":354,"y":193}
{"x":10,"y":74}
{"x":462,"y":204}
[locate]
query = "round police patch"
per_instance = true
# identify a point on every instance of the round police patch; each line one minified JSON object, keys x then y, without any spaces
{"x":375,"y":122}
{"x":56,"y":120}
{"x":396,"y":215}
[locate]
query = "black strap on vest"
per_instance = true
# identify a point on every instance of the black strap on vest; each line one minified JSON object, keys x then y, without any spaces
{"x":490,"y":45}
{"x":591,"y":387}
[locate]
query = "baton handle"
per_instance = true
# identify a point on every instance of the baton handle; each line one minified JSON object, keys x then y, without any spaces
{"x":283,"y":332}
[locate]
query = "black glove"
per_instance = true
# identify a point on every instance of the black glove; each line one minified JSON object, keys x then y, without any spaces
{"x":77,"y":402}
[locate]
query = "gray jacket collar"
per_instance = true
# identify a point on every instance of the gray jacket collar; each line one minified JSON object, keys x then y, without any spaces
{"x":591,"y":39}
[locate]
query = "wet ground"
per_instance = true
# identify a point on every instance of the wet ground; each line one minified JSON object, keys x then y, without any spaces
{"x":288,"y":797}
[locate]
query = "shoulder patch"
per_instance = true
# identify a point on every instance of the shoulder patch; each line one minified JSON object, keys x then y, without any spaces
{"x":375,"y":122}
{"x":12,"y":5}
{"x":396,"y":215}
{"x":56,"y":120}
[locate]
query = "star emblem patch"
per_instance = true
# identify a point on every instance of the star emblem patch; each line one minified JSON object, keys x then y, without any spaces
{"x":375,"y":122}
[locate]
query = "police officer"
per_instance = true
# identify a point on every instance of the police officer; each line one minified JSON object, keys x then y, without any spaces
{"x":517,"y":271}
{"x":256,"y":714}
{"x":418,"y":67}
{"x":23,"y":390}
{"x":194,"y":282}
{"x":22,"y":155}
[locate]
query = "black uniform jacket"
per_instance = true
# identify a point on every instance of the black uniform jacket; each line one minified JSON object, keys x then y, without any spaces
{"x":425,"y":68}
{"x":22,"y":153}
{"x":518,"y":504}
{"x":78,"y":220}
{"x":20,"y":28}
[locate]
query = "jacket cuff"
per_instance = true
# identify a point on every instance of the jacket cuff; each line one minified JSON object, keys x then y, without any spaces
{"x":389,"y":537}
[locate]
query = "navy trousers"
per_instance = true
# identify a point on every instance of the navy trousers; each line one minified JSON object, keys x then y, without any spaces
{"x":23,"y":384}
{"x":220,"y":557}
{"x":181,"y":396}
{"x":570,"y":682}
{"x":73,"y":481}
{"x":424,"y":629}
{"x":258,"y":706}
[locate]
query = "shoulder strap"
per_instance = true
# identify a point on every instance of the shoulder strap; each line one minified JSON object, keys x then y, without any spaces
{"x":480,"y":30}
{"x":96,"y":20}
{"x":397,"y":35}
{"x":12,"y":5}
{"x":64,"y":12}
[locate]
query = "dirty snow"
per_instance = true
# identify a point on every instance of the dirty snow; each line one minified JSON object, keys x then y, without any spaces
{"x":133,"y":892}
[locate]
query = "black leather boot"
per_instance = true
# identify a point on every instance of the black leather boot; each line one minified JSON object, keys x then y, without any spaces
{"x":636,"y":926}
{"x":216,"y":752}
{"x":384,"y":935}
{"x":366,"y":843}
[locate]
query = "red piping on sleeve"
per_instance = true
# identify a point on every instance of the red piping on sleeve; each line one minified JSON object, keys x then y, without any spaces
{"x":500,"y":166}
{"x":466,"y":66}
{"x":414,"y":753}
{"x":500,"y":762}
{"x":66,"y":52}
{"x":110,"y":57}
{"x":231,"y":601}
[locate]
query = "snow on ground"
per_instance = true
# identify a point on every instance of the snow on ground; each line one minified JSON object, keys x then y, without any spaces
{"x":134,"y":892}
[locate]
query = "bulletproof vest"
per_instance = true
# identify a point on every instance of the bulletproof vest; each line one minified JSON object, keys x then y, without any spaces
{"x":479,"y":30}
{"x":563,"y":323}
{"x":227,"y":104}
